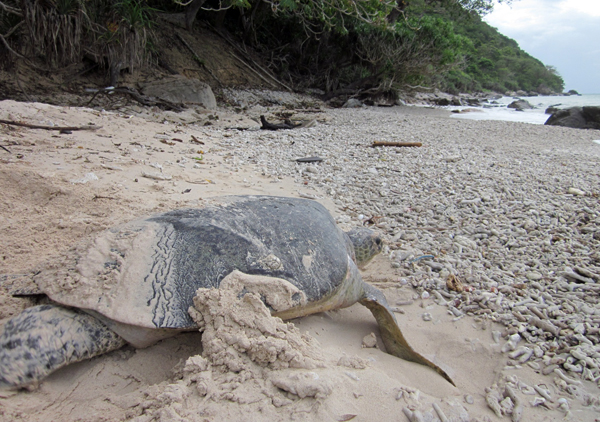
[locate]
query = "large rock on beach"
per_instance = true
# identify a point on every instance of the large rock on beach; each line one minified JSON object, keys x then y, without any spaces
{"x":576,"y":117}
{"x":545,"y":90}
{"x":181,"y":90}
{"x":520,"y":105}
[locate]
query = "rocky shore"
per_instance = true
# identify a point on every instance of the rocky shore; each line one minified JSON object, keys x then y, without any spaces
{"x":492,"y":257}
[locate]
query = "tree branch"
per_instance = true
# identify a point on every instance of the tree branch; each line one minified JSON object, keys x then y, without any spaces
{"x":10,"y":9}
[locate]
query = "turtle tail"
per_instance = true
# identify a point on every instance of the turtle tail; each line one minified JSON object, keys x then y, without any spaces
{"x":392,"y":337}
{"x":45,"y":338}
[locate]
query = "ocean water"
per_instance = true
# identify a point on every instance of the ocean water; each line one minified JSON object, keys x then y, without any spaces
{"x":500,"y":111}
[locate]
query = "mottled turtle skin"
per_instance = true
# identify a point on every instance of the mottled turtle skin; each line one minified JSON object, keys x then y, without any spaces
{"x":135,"y":283}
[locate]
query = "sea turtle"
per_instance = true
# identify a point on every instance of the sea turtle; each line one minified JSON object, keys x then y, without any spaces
{"x":135,"y":283}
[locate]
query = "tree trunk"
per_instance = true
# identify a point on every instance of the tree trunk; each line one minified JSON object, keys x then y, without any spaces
{"x":191,"y":11}
{"x":395,"y":13}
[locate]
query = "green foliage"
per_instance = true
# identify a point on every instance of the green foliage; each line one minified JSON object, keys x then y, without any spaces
{"x":135,"y":13}
{"x":345,"y":43}
{"x":497,"y":63}
{"x":489,"y":60}
{"x":332,"y":44}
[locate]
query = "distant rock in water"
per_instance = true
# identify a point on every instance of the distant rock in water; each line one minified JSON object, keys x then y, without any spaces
{"x":572,"y":92}
{"x":576,"y":117}
{"x":520,"y":105}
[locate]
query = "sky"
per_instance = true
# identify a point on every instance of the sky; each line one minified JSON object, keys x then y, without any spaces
{"x":561,"y":33}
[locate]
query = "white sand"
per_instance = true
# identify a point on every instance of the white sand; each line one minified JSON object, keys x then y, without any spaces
{"x":56,"y":189}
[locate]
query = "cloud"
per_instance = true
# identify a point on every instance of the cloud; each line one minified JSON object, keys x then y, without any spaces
{"x":588,"y":7}
{"x":562,"y":33}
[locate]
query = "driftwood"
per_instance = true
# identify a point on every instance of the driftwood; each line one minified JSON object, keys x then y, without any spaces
{"x":198,"y":60}
{"x":61,"y":128}
{"x":196,"y":140}
{"x":396,"y":144}
{"x":309,"y":159}
{"x":273,"y":80}
{"x":142,"y":99}
{"x":270,"y":126}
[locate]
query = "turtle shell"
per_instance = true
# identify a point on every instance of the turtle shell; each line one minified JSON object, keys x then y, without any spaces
{"x":146,"y":272}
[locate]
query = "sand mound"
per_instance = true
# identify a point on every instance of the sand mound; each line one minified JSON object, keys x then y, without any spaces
{"x":246,"y":356}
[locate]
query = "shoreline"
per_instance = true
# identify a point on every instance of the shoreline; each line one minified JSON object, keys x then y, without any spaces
{"x":504,"y":207}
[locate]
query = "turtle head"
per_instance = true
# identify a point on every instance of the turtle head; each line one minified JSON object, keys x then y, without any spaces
{"x":366,"y":243}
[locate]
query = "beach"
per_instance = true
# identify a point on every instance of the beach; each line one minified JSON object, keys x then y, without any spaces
{"x":491,"y":258}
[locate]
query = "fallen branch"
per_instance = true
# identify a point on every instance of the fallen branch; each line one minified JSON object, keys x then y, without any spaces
{"x":142,"y":99}
{"x":396,"y":144}
{"x":198,"y":60}
{"x":270,"y":126}
{"x":101,"y":197}
{"x":251,"y":69}
{"x":243,"y":53}
{"x":196,"y":140}
{"x":61,"y":128}
{"x":418,"y":87}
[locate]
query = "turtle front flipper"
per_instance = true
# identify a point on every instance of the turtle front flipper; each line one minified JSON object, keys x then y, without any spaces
{"x":45,"y":338}
{"x":392,"y":337}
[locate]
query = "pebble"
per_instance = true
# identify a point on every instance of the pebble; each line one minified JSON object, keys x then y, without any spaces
{"x":89,"y":177}
{"x":514,"y":215}
{"x":575,"y":191}
{"x":369,"y":341}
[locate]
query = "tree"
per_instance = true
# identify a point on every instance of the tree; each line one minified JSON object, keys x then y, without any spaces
{"x":334,"y":14}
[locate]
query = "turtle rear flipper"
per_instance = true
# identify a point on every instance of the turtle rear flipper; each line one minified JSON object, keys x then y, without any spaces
{"x":45,"y":338}
{"x":392,"y":337}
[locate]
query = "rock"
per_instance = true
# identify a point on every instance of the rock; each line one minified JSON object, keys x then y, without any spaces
{"x":520,"y":105}
{"x":382,"y":99}
{"x":352,"y":103}
{"x":544,"y":90}
{"x":551,"y":110}
{"x":576,"y":117}
{"x":468,"y":110}
{"x":575,"y":191}
{"x":534,"y":275}
{"x":521,"y":93}
{"x":442,"y":101}
{"x":181,"y":90}
{"x":572,"y":92}
{"x":473,"y":102}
